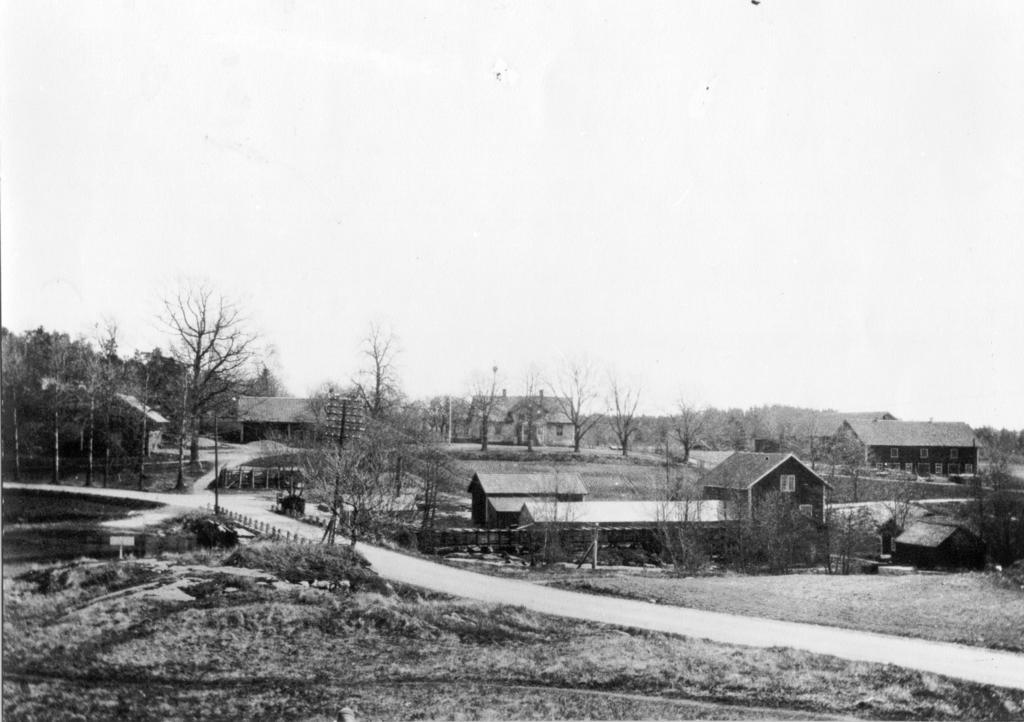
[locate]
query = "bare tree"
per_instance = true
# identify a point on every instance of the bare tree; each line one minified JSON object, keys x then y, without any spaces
{"x":484,"y":394}
{"x":14,"y":377}
{"x":575,"y":391}
{"x":689,"y":425}
{"x":377,"y":384}
{"x":210,"y":340}
{"x":532,"y":385}
{"x":622,"y":406}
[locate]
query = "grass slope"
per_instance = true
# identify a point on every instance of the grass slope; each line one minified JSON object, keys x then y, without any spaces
{"x":245,"y":647}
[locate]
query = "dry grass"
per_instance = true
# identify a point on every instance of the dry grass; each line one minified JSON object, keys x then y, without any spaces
{"x":971,"y":608}
{"x":245,"y":651}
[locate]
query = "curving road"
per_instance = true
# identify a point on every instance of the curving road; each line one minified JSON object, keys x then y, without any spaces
{"x":975,"y":664}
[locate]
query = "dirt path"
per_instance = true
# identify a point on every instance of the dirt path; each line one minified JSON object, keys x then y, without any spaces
{"x":976,"y":664}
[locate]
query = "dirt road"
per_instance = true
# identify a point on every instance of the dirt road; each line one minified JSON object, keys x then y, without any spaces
{"x":976,"y":664}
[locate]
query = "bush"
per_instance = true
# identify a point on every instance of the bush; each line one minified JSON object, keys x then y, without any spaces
{"x":307,"y":563}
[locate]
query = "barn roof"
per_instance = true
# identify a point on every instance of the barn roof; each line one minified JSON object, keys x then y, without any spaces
{"x":827,"y":423}
{"x":928,"y":533}
{"x":912,"y":433}
{"x":275,"y":409}
{"x":624,"y":512}
{"x":152,"y":414}
{"x":745,"y":468}
{"x":530,"y":484}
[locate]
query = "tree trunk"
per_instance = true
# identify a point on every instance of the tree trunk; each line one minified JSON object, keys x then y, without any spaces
{"x":92,"y":433}
{"x":180,"y":483}
{"x":56,"y":447}
{"x":483,"y":434}
{"x":193,"y":447}
{"x":576,"y":436}
{"x":17,"y":444}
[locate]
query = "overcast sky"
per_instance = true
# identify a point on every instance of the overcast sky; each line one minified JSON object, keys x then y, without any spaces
{"x":816,"y":204}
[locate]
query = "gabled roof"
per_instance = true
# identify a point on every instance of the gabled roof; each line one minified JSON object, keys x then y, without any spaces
{"x":745,"y":468}
{"x":708,"y":459}
{"x":530,"y":484}
{"x":623,"y":512}
{"x":507,"y":504}
{"x":929,"y":533}
{"x":827,"y":423}
{"x":912,"y":433}
{"x":152,"y":414}
{"x":275,"y":409}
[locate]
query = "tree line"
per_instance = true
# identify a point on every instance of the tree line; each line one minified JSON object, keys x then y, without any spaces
{"x":79,"y":404}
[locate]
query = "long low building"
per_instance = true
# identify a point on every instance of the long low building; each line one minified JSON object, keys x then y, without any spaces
{"x":620,"y":513}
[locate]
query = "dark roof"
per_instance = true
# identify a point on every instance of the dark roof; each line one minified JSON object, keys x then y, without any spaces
{"x":930,"y":533}
{"x":531,"y":484}
{"x":745,"y":468}
{"x":152,"y":414}
{"x":275,"y":409}
{"x":827,"y":423}
{"x":912,"y":433}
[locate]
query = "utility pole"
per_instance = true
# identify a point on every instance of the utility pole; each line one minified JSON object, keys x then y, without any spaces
{"x":216,"y":465}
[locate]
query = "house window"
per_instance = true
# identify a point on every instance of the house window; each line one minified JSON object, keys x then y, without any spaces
{"x":954,"y":453}
{"x":558,"y":430}
{"x":968,"y":468}
{"x":924,"y":453}
{"x":908,"y":466}
{"x":938,"y":468}
{"x":894,"y":453}
{"x":788,"y":482}
{"x":807,"y":510}
{"x":497,"y":429}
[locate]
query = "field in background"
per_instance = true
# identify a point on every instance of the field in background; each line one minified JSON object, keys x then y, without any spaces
{"x":982,"y":609}
{"x":885,"y":490}
{"x":243,"y":647}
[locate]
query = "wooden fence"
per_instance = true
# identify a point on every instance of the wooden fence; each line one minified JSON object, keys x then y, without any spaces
{"x":260,"y":477}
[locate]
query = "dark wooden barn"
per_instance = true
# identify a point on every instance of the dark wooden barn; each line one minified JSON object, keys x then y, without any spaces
{"x":925,"y":448}
{"x":747,"y":477}
{"x":508,"y":492}
{"x":939,"y":544}
{"x":263,"y":417}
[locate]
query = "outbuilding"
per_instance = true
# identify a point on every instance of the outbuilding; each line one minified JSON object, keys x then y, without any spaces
{"x":498,"y":498}
{"x":935,"y":543}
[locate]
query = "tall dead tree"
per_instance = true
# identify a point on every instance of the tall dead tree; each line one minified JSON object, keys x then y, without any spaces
{"x":689,"y":425}
{"x":622,"y":404}
{"x":532,"y":385}
{"x":210,"y":340}
{"x":378,"y":384}
{"x":575,"y":391}
{"x":484,"y":394}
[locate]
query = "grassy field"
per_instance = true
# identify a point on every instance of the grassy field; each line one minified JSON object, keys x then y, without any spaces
{"x":973,"y":608}
{"x":885,"y":489}
{"x":86,"y":642}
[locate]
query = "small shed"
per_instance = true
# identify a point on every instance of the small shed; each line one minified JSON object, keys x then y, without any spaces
{"x":505,"y":511}
{"x":939,"y":544}
{"x":486,"y":488}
